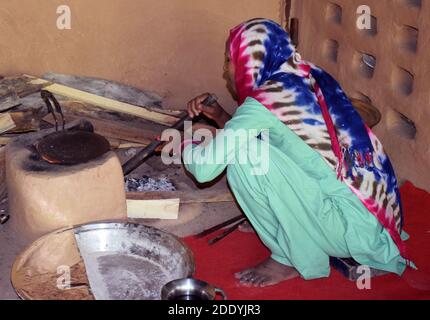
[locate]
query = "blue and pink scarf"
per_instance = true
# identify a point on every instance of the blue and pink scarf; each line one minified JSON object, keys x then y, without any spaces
{"x":313,"y":105}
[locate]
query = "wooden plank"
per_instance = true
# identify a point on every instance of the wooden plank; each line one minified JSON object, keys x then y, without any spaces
{"x":110,"y":129}
{"x":5,"y":140}
{"x":128,"y":145}
{"x":3,"y":185}
{"x":149,"y":129}
{"x":6,"y":122}
{"x":26,"y":121}
{"x":202,"y":196}
{"x":113,"y":90}
{"x":167,"y":209}
{"x":120,"y":144}
{"x":108,"y":104}
{"x":22,"y":85}
{"x":9,"y":100}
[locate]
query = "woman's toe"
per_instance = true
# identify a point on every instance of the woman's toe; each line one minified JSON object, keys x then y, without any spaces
{"x":247,"y":278}
{"x":267,"y":282}
{"x":240,"y":274}
{"x":257,"y":280}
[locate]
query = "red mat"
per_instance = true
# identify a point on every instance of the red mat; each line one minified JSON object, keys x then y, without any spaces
{"x":216,"y":264}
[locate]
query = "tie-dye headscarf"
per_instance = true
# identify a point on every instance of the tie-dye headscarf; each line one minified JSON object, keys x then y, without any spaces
{"x":313,"y":105}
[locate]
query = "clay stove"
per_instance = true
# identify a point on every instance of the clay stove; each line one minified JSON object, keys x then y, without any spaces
{"x":44,"y":196}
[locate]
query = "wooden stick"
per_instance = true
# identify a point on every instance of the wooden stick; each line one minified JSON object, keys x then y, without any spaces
{"x":26,"y":121}
{"x":128,"y":145}
{"x":108,"y":104}
{"x":22,"y":85}
{"x":9,"y":100}
{"x":167,"y":209}
{"x":6,"y":122}
{"x":77,"y":108}
{"x":3,"y":185}
{"x":202,"y":196}
{"x":5,"y":140}
{"x":120,"y":144}
{"x":111,"y":129}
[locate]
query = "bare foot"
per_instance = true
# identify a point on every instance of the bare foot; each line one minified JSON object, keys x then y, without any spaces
{"x":268,"y":273}
{"x":246,"y":227}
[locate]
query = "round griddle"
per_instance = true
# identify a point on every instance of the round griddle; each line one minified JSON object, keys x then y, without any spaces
{"x":72,"y":147}
{"x":68,"y":147}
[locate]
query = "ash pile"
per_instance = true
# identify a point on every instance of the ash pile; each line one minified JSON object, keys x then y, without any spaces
{"x":146,"y":183}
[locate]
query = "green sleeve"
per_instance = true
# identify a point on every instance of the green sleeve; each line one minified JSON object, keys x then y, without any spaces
{"x":207,"y":163}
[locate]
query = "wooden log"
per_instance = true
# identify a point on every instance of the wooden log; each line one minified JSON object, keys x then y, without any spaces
{"x":167,"y":209}
{"x":111,"y":129}
{"x":3,"y":185}
{"x":4,"y":140}
{"x":9,"y":100}
{"x":22,"y":85}
{"x":6,"y":122}
{"x":78,"y":108}
{"x":113,"y":90}
{"x":107,"y":103}
{"x":26,"y":121}
{"x":201,"y":196}
{"x":119,"y":144}
{"x":128,"y":145}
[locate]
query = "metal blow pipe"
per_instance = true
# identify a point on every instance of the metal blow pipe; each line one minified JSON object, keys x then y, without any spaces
{"x":144,"y":154}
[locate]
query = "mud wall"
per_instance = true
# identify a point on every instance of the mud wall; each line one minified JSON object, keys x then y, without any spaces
{"x":174,"y":47}
{"x":386,"y":65}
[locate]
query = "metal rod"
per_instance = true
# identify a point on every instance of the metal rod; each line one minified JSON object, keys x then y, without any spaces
{"x":225,"y":233}
{"x":219,"y":226}
{"x":144,"y":154}
{"x":47,"y":96}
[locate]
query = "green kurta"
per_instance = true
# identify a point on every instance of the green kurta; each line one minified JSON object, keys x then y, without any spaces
{"x":301,"y":212}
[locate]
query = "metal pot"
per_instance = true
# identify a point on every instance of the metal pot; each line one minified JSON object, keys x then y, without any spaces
{"x":190,"y":289}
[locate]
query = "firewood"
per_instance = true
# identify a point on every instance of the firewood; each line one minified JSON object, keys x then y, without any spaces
{"x":111,"y":129}
{"x":119,"y":144}
{"x":201,"y":196}
{"x":26,"y":121}
{"x":167,"y":209}
{"x":113,"y":90}
{"x":4,"y":140}
{"x":22,"y":85}
{"x":3,"y":186}
{"x":6,"y":122}
{"x":78,"y":108}
{"x":106,"y":103}
{"x":9,"y":100}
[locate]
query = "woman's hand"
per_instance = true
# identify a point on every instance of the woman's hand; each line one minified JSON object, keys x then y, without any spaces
{"x":196,"y":126}
{"x":215,"y":112}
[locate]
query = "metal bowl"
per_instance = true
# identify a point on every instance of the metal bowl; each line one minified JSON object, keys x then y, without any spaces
{"x":191,"y":289}
{"x":122,"y":261}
